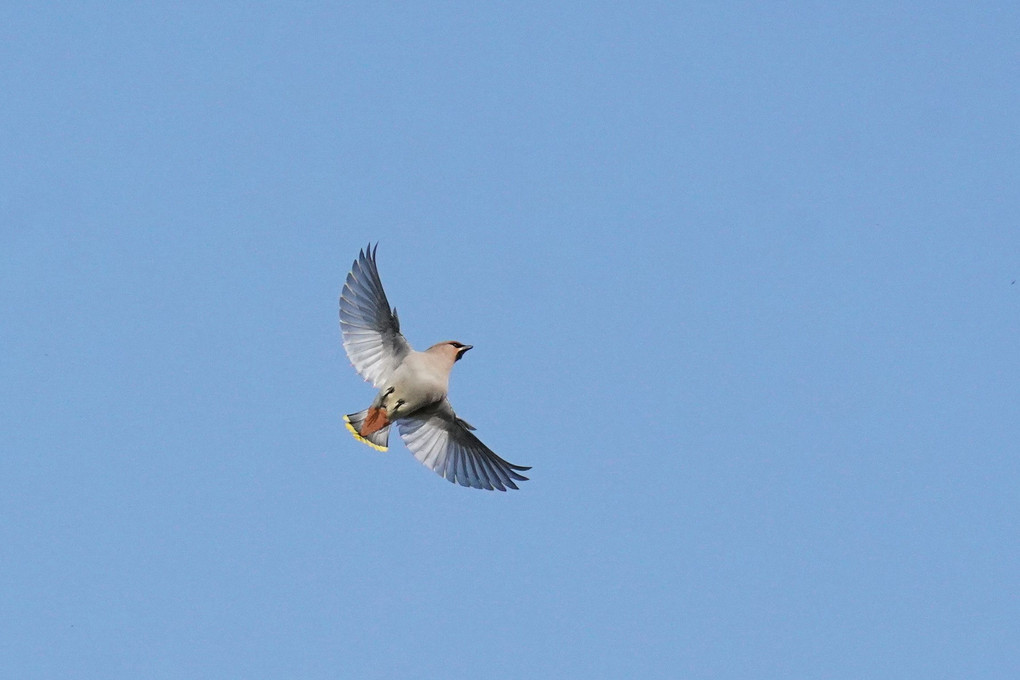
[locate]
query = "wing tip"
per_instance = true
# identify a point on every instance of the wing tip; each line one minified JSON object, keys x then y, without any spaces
{"x":357,"y":435}
{"x":368,"y":252}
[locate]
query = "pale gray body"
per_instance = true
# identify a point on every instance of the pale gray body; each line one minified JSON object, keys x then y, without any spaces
{"x":422,"y":379}
{"x":413,"y":388}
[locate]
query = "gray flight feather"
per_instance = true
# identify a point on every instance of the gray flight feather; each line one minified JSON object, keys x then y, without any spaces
{"x":371,"y":331}
{"x":440,"y":441}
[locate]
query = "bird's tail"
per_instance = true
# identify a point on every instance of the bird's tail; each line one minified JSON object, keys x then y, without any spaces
{"x":378,"y":440}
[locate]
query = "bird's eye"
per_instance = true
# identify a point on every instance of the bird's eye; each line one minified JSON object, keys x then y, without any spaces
{"x":457,"y":344}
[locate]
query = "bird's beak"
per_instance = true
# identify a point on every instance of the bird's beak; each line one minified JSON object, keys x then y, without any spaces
{"x":461,"y":350}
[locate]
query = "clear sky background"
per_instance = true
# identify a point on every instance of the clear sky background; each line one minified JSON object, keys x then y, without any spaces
{"x":739,"y":279}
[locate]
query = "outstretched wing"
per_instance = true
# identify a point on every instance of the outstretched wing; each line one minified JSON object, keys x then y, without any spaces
{"x":442,"y":441}
{"x":371,"y":331}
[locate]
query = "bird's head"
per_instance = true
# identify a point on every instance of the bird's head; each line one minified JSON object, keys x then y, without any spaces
{"x":459,"y":349}
{"x":451,"y":349}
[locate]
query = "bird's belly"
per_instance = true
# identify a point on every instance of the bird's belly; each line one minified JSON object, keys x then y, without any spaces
{"x":410,"y":395}
{"x":401,"y":404}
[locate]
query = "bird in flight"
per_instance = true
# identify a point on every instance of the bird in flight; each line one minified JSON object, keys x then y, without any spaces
{"x":412,"y":388}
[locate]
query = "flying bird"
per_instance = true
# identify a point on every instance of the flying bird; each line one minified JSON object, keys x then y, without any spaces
{"x":412,"y":388}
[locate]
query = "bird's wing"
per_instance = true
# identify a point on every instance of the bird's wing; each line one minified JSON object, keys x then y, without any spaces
{"x":371,"y":330}
{"x":442,"y":441}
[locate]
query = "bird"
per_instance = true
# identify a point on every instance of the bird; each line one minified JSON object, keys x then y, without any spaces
{"x":413,"y":388}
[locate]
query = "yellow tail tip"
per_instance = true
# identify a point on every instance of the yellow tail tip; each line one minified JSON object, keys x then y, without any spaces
{"x":347,"y":423}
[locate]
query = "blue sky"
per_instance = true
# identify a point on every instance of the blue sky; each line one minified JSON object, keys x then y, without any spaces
{"x":739,"y":280}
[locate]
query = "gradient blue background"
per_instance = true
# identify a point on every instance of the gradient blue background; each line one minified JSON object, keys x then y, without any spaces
{"x":739,"y":281}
